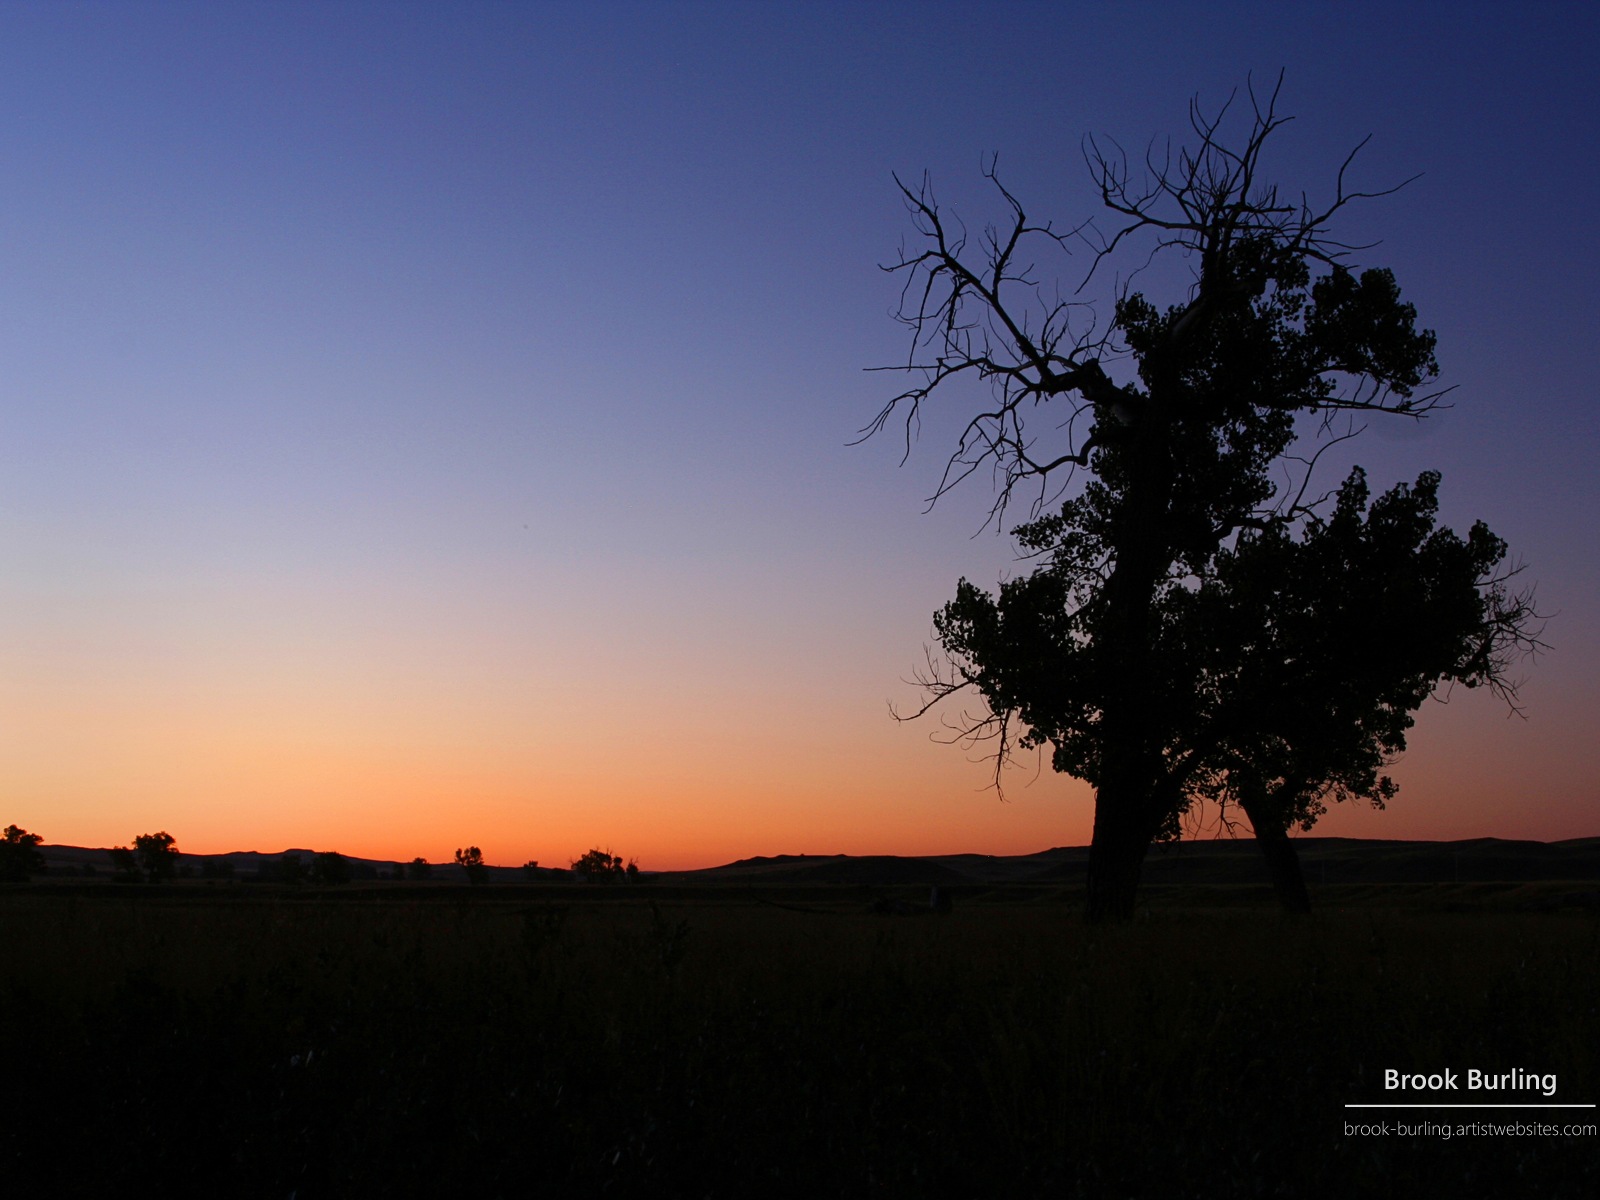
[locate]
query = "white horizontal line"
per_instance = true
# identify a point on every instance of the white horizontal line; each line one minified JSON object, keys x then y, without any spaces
{"x":1469,"y":1106}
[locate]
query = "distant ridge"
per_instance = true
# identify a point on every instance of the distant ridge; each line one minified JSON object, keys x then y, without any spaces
{"x":1330,"y":860}
{"x":1213,"y":861}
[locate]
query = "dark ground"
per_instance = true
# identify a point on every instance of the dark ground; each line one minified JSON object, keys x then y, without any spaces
{"x":781,"y":1039}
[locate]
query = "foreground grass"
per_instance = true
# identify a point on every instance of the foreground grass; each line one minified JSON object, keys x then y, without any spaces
{"x":723,"y":1047}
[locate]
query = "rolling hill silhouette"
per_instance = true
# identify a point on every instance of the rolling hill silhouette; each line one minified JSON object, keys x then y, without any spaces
{"x":1193,"y":863}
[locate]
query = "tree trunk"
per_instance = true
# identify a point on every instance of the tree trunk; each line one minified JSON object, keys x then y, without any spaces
{"x":1126,"y":810}
{"x":1283,"y":864}
{"x":1116,"y":857}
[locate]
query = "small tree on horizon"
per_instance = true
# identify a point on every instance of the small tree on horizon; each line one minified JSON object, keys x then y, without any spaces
{"x":157,"y":855}
{"x":19,"y":855}
{"x":471,"y":861}
{"x":601,"y":866}
{"x":418,"y":870}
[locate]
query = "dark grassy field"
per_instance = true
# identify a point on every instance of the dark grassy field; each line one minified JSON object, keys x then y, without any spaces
{"x":778,"y":1042}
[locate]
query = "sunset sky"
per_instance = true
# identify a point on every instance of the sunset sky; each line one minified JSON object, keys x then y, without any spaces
{"x":424,"y":425}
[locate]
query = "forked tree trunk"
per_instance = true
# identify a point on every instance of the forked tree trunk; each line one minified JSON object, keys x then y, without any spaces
{"x":1283,"y":863}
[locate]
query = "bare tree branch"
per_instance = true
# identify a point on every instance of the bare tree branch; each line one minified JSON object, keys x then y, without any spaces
{"x":984,"y":316}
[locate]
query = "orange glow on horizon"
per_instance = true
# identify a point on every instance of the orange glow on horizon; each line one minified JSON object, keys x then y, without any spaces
{"x":912,"y":799}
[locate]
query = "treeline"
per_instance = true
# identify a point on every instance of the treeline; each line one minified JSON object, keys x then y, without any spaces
{"x":155,"y":858}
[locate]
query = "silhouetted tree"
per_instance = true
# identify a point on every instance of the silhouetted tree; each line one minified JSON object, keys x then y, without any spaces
{"x":1314,"y":653}
{"x":290,"y":868}
{"x":471,"y":861}
{"x":330,"y":867}
{"x":530,"y":869}
{"x":419,"y":869}
{"x":1302,"y":658}
{"x":19,"y":855}
{"x":157,"y":854}
{"x":1185,"y":450}
{"x":600,"y":866}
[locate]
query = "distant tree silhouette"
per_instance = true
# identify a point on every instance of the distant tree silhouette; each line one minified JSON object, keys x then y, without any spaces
{"x":601,"y":866}
{"x":471,"y":861}
{"x":1175,"y":427}
{"x":157,"y":854}
{"x":419,"y":869}
{"x":530,"y":869}
{"x":290,"y":868}
{"x":19,"y":855}
{"x":330,"y":867}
